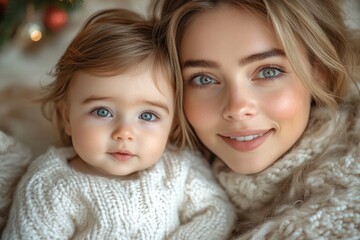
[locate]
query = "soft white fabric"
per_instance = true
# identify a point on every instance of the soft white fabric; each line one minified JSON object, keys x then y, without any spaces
{"x":177,"y":198}
{"x":14,"y":157}
{"x":312,"y":192}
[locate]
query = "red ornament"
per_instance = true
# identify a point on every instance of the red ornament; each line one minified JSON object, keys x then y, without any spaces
{"x":55,"y":18}
{"x":3,"y":4}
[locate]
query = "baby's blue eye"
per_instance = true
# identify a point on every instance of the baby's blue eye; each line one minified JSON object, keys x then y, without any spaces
{"x":103,"y":112}
{"x":148,"y":116}
{"x":203,"y":80}
{"x":269,"y":72}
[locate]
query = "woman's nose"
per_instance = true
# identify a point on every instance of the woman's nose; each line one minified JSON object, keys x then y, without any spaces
{"x":123,"y":132}
{"x":239,"y":105}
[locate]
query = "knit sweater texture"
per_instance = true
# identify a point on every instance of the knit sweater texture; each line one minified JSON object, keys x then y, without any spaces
{"x":177,"y":198}
{"x":14,"y":158}
{"x":311,"y":192}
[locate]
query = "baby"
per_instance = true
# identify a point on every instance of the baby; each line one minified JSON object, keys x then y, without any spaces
{"x":113,"y":101}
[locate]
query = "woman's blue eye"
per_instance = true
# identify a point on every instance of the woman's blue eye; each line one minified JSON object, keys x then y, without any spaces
{"x":103,"y":112}
{"x":202,"y":80}
{"x":148,"y":116}
{"x":269,"y":72}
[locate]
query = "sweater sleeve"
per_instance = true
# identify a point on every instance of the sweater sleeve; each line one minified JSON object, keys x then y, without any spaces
{"x":206,"y":211}
{"x":40,"y":210}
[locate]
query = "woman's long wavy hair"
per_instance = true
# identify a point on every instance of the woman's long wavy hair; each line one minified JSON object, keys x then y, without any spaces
{"x":316,"y":27}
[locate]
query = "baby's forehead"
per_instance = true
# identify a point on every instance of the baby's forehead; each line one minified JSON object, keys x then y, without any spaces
{"x":151,"y":70}
{"x":162,"y":72}
{"x":138,"y":82}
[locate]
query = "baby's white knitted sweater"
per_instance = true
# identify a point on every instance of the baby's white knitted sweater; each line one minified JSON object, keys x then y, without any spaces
{"x":312,"y":192}
{"x":14,"y":158}
{"x":177,"y":198}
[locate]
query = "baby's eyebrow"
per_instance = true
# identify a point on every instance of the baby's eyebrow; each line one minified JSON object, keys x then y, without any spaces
{"x":94,"y":98}
{"x":159,"y":105}
{"x":155,"y":103}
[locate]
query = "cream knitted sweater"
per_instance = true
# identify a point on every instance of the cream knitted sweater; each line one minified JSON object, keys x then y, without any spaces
{"x":14,"y":158}
{"x":177,"y":198}
{"x":312,"y":192}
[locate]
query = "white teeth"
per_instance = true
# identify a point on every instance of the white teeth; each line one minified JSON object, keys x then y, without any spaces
{"x":246,"y":138}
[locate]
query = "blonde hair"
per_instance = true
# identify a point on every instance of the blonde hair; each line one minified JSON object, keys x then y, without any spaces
{"x":315,"y":26}
{"x":109,"y":43}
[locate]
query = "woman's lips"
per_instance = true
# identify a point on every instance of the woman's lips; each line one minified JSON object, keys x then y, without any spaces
{"x":246,"y":143}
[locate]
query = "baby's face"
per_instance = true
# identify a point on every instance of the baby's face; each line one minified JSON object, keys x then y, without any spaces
{"x":120,"y":124}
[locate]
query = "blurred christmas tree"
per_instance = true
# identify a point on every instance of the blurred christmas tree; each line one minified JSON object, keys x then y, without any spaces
{"x":31,"y":20}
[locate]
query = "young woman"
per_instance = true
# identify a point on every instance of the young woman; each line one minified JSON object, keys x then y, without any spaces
{"x":269,"y":89}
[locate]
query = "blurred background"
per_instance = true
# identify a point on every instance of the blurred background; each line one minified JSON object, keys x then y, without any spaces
{"x":33,"y":35}
{"x":38,"y":32}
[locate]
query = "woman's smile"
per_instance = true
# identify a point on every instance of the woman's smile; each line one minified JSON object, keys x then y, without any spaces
{"x":246,"y":143}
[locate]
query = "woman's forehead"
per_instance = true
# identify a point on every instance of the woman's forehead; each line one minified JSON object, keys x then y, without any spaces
{"x":226,"y":29}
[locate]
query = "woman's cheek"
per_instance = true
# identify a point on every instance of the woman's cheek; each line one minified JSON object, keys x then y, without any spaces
{"x":284,"y":105}
{"x":195,"y":109}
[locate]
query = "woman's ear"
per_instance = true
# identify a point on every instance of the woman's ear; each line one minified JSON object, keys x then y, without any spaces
{"x":64,"y":112}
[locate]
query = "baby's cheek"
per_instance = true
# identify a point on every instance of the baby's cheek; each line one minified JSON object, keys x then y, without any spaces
{"x":85,"y":138}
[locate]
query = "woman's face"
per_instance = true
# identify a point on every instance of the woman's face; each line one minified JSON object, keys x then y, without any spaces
{"x":241,"y":95}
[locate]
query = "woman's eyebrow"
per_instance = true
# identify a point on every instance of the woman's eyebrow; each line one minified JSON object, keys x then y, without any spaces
{"x":243,"y":61}
{"x":275,"y":52}
{"x":199,"y":63}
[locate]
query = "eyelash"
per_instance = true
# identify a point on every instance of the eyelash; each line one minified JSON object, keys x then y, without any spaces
{"x":151,"y":112}
{"x":93,"y":111}
{"x":282,"y":70}
{"x":191,"y":83}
